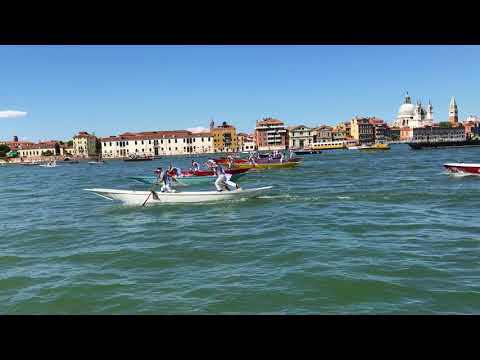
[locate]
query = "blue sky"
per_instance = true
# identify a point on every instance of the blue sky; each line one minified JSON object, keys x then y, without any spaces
{"x":113,"y":89}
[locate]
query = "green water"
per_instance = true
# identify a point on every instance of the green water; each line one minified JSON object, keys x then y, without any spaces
{"x":346,"y":232}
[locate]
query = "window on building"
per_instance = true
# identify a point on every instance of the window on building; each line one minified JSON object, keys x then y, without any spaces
{"x":169,"y":149}
{"x":169,"y":141}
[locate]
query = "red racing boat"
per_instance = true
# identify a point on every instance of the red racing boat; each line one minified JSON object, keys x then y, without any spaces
{"x":226,"y":161}
{"x":462,"y":168}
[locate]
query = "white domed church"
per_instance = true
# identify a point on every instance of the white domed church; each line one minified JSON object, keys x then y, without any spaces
{"x":413,"y":116}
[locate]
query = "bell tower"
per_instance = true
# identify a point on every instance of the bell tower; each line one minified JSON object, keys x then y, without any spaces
{"x":453,"y":112}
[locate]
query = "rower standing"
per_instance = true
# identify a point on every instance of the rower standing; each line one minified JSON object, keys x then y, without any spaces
{"x":166,"y":180}
{"x":195,"y":165}
{"x":222,"y":182}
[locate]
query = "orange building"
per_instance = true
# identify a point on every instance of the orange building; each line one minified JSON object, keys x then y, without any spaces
{"x":225,"y":138}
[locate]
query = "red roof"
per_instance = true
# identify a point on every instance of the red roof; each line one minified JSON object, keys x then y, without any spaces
{"x":83,"y":134}
{"x":146,"y":135}
{"x":41,"y":145}
{"x":269,"y":121}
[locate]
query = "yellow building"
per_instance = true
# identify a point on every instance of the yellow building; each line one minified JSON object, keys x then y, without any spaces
{"x":84,"y":145}
{"x":225,"y":138}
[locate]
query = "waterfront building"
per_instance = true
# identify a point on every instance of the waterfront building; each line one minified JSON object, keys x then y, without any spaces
{"x":339,"y":134}
{"x":438,"y":134}
{"x":271,"y":134}
{"x":323,"y":133}
{"x":343,"y":128}
{"x":300,"y":136}
{"x":380,"y":129}
{"x":155,"y":143}
{"x":472,"y":128}
{"x":413,"y":116}
{"x":38,"y":151}
{"x":362,"y":131}
{"x":393,"y":133}
{"x":453,"y":112}
{"x":84,"y":145}
{"x":246,"y":142}
{"x":406,"y":133}
{"x":225,"y":138}
{"x":67,"y":150}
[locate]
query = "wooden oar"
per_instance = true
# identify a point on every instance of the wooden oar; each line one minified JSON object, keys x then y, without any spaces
{"x":151,"y":192}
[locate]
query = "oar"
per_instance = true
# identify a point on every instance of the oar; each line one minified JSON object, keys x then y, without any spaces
{"x":150,"y":194}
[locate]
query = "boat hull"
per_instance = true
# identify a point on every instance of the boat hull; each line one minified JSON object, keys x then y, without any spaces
{"x":442,"y":144}
{"x":461,"y":168}
{"x":138,"y":198}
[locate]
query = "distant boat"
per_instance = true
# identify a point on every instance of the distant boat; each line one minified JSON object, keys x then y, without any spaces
{"x":50,"y":164}
{"x":377,"y":146}
{"x":417,"y":145}
{"x":68,"y":161}
{"x":30,"y":163}
{"x":307,"y":152}
{"x":139,"y":158}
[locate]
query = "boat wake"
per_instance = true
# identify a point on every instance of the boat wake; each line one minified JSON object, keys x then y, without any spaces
{"x":460,"y":174}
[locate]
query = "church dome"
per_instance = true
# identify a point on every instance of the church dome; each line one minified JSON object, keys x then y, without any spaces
{"x":406,"y":110}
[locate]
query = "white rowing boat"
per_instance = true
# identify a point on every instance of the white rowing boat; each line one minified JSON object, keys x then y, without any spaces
{"x":49,"y":165}
{"x":132,"y":197}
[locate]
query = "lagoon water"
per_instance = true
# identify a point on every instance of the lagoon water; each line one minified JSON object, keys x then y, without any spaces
{"x":345,"y":233}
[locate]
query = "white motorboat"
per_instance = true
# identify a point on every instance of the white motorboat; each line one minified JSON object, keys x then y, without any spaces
{"x":131,"y":197}
{"x":49,"y":164}
{"x":100,"y":162}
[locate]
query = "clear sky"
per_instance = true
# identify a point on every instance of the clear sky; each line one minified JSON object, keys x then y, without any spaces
{"x":113,"y":89}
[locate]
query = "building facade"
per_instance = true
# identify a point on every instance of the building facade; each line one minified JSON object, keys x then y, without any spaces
{"x":362,"y":131}
{"x":472,"y":128}
{"x":300,"y":137}
{"x":323,"y":133}
{"x":271,"y":134}
{"x":434,"y":133}
{"x":157,"y":143}
{"x":40,"y":150}
{"x":84,"y":145}
{"x":246,"y":142}
{"x":225,"y":138}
